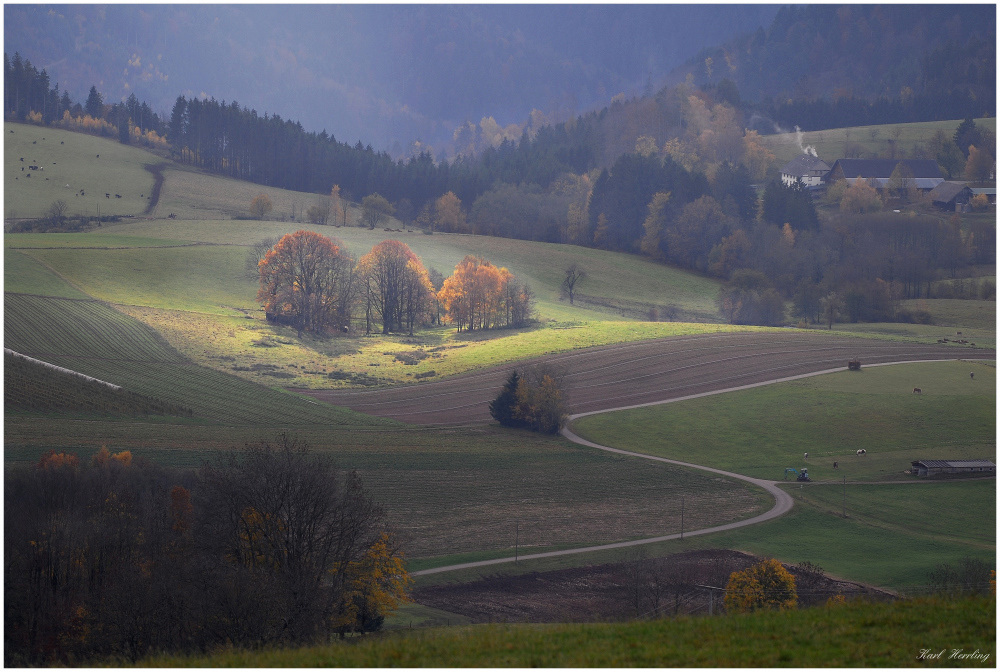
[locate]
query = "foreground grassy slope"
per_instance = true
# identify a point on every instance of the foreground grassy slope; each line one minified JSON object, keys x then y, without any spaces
{"x":851,"y":635}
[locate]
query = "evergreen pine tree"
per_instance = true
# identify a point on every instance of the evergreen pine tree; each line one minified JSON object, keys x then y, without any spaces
{"x":502,"y":408}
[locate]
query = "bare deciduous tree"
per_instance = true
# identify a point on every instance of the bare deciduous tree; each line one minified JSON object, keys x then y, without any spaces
{"x":574,"y":275}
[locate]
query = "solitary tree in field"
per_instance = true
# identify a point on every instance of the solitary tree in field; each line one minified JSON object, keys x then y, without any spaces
{"x":448,"y":214}
{"x":375,"y":210}
{"x":307,"y":279}
{"x":831,"y":305}
{"x":574,"y":275}
{"x":260,"y":206}
{"x":766,"y":585}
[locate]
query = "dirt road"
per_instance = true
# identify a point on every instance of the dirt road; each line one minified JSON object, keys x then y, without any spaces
{"x":632,"y":374}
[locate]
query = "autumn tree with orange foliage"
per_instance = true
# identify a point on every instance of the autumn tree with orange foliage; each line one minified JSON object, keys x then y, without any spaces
{"x":307,"y":280}
{"x":395,"y":288}
{"x":480,"y":296}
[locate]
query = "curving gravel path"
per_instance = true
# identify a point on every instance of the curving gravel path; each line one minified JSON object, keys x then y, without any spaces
{"x":783,"y":502}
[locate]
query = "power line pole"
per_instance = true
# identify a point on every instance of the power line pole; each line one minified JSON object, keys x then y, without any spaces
{"x":517,"y":538}
{"x":844,"y":506}
{"x":682,"y":517}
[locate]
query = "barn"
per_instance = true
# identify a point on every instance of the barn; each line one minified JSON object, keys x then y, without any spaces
{"x":877,"y":172}
{"x":934,"y":467}
{"x":951,"y":196}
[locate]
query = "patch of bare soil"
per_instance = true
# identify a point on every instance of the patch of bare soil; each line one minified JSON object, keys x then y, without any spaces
{"x":637,"y":587}
{"x":636,"y":373}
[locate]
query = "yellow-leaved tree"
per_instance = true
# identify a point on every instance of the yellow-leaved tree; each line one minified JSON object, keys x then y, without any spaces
{"x":375,"y":587}
{"x":766,"y":585}
{"x":260,"y":206}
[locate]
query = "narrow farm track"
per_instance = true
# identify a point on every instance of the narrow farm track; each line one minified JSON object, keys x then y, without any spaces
{"x":632,"y":374}
{"x":783,"y":502}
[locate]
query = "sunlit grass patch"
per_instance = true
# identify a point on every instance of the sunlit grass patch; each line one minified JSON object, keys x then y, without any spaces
{"x":762,"y":431}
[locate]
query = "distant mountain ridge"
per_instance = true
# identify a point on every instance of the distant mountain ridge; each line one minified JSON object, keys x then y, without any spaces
{"x":385,"y":74}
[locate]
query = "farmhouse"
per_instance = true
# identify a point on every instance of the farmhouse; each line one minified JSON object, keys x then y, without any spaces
{"x":809,"y":169}
{"x":951,"y":196}
{"x":926,"y":173}
{"x":933,"y":467}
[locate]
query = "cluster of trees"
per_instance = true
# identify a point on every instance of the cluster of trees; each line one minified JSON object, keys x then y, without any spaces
{"x":532,"y":399}
{"x":28,"y":97}
{"x":270,"y":545}
{"x":479,"y":295}
{"x":313,"y":283}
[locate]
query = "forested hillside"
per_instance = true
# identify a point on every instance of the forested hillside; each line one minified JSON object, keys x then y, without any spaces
{"x":680,"y":176}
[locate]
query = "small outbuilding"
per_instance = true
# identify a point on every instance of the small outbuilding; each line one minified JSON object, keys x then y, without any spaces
{"x":934,"y":467}
{"x":951,"y":196}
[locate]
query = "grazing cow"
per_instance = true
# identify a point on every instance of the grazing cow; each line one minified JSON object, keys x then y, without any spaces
{"x":805,"y":456}
{"x":834,"y":465}
{"x":98,"y":156}
{"x":916,"y":390}
{"x":107,"y":195}
{"x":861,"y":452}
{"x":972,"y":374}
{"x":118,"y":195}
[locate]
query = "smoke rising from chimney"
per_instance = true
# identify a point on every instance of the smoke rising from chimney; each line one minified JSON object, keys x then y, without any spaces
{"x":808,"y":149}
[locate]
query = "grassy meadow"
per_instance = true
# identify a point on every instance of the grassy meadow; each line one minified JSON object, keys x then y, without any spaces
{"x":873,"y":140}
{"x":857,"y":634}
{"x":762,"y":431}
{"x":72,"y":159}
{"x":186,"y":280}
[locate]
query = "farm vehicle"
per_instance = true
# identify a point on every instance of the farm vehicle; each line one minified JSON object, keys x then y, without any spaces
{"x":802,"y":476}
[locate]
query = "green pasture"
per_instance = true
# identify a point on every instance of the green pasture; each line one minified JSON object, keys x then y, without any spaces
{"x":93,"y":239}
{"x":976,"y":319}
{"x":611,"y":275}
{"x":762,"y":431}
{"x":857,"y":634}
{"x":71,"y":158}
{"x":186,"y":280}
{"x":874,"y":140}
{"x":25,"y":275}
{"x":94,"y":339}
{"x":191,"y":194}
{"x":205,"y":279}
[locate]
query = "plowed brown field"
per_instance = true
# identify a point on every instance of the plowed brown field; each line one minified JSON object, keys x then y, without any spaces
{"x":638,"y":373}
